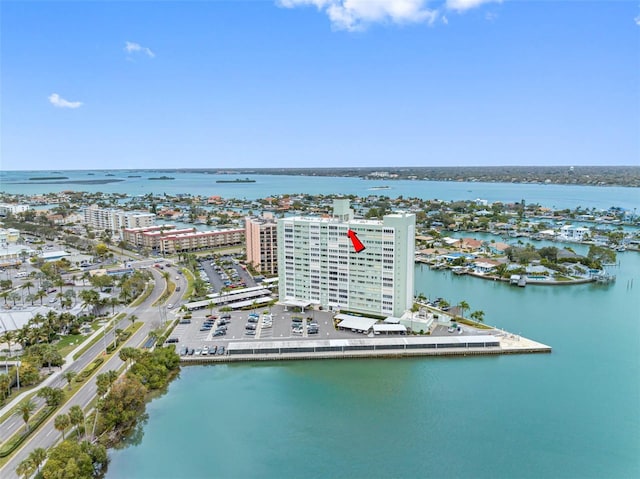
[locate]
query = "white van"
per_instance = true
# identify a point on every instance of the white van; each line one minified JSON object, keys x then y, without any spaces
{"x":21,"y":274}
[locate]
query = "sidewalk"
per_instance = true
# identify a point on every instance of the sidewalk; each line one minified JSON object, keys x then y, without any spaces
{"x":68,"y":361}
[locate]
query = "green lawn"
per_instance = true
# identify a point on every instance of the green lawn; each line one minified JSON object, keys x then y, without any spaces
{"x":69,"y":343}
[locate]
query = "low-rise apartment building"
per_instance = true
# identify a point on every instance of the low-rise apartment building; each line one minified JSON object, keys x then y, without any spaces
{"x":168,"y":240}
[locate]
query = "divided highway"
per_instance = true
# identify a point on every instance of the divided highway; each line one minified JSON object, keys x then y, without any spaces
{"x":47,"y":435}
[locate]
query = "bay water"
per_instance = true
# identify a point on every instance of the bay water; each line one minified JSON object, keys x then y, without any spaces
{"x":137,"y":182}
{"x":574,"y":413}
{"x":569,"y":414}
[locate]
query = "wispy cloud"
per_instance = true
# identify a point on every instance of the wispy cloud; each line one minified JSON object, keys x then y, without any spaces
{"x":491,"y":16}
{"x":354,"y":15}
{"x":637,"y":20}
{"x":463,"y":5}
{"x":57,"y":101}
{"x":132,"y":47}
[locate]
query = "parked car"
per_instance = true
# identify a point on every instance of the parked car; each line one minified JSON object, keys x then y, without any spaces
{"x":220,"y":351}
{"x":250,"y":326}
{"x":219,"y":332}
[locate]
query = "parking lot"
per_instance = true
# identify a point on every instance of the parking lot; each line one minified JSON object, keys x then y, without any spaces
{"x":254,"y":325}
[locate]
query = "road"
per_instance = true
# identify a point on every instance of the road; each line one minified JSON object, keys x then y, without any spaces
{"x":47,"y":435}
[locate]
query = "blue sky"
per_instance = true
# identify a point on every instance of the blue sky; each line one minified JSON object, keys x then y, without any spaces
{"x":292,"y":83}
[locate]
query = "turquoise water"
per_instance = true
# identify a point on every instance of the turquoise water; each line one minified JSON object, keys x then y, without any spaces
{"x":559,"y":196}
{"x":569,"y":414}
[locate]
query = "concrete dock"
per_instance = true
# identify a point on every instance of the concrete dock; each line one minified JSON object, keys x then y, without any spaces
{"x":490,"y":344}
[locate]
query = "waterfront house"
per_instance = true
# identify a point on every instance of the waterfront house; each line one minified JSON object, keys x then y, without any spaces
{"x":485,"y":266}
{"x":497,"y":247}
{"x":573,"y":233}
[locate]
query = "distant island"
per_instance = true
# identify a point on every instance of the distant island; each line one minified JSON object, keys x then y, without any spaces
{"x":237,"y":180}
{"x":134,"y":176}
{"x":162,"y":178}
{"x":48,"y":178}
{"x":66,"y":181}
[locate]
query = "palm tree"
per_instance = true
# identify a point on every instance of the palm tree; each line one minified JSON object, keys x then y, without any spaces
{"x":133,"y":319}
{"x":38,"y":456}
{"x":463,"y":305}
{"x":76,"y":417}
{"x":478,"y":316}
{"x":41,"y":293}
{"x":14,"y":296}
{"x":113,"y":302}
{"x":28,"y":285}
{"x":69,"y":375}
{"x":61,"y":423}
{"x":129,"y":354}
{"x":25,"y":409}
{"x":26,"y":468}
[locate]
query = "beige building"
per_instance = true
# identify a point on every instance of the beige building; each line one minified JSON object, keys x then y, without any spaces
{"x":261,"y":243}
{"x":167,"y":240}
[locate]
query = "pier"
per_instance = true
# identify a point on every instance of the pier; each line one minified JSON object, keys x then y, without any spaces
{"x":490,"y":344}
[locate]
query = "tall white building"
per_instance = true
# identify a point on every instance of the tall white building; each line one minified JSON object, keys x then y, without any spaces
{"x":115,"y":220}
{"x":318,"y":264}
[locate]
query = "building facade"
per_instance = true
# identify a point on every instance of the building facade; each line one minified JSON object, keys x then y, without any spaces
{"x":318,"y":264}
{"x":167,"y":240}
{"x":261,"y":236}
{"x":115,"y":220}
{"x":13,"y":208}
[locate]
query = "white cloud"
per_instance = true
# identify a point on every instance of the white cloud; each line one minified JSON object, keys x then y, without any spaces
{"x":356,"y":15}
{"x":57,"y":100}
{"x":637,"y":20}
{"x":132,"y":47}
{"x":463,"y":5}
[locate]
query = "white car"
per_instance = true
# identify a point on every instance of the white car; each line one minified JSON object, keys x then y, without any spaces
{"x":169,"y":306}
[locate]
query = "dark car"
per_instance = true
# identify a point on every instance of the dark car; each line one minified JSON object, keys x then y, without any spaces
{"x":191,"y":351}
{"x":220,"y":351}
{"x":226,"y":316}
{"x":250,"y":326}
{"x":206,"y":328}
{"x":173,"y":340}
{"x":185,"y":321}
{"x":213,"y":349}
